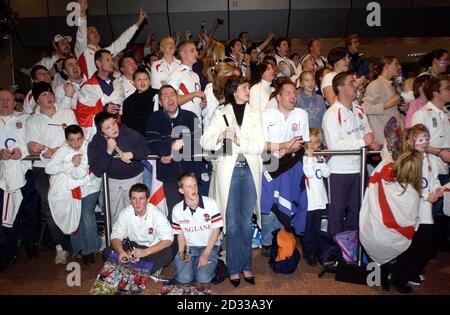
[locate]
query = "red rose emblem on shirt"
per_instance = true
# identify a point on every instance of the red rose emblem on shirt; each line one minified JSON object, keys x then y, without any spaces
{"x":294,"y":126}
{"x":64,"y":125}
{"x":206,"y":216}
{"x":19,"y":125}
{"x":150,"y":230}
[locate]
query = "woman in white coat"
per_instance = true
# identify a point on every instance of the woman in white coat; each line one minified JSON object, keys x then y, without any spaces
{"x":260,"y":91}
{"x":238,"y":185}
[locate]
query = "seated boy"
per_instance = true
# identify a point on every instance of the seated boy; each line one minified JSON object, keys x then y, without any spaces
{"x":142,"y":232}
{"x":197,"y":222}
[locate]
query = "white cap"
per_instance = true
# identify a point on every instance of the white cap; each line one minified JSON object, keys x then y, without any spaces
{"x":59,"y":37}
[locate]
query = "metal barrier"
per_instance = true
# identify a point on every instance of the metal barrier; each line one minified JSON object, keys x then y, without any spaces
{"x":363,"y":152}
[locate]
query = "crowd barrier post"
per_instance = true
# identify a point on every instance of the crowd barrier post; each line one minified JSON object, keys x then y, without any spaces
{"x":107,"y":204}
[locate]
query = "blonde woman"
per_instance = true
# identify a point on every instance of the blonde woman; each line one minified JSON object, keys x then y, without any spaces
{"x":389,"y":219}
{"x":163,"y":67}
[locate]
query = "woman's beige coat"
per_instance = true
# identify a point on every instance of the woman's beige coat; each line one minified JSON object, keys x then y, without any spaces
{"x":252,"y":144}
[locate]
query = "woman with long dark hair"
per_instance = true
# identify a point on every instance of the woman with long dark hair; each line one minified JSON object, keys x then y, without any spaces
{"x":238,"y":185}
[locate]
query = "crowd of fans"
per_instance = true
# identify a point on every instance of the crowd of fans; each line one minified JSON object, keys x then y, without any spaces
{"x":94,"y":110}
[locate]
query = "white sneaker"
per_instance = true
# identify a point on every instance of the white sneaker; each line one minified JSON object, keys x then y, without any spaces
{"x":61,"y":256}
{"x":158,"y":276}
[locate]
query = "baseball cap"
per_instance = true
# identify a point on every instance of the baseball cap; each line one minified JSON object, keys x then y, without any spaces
{"x":59,"y":37}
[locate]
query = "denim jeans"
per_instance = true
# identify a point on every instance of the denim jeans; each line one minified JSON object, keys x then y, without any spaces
{"x":86,"y":240}
{"x":239,"y":229}
{"x":187,"y":272}
{"x":269,"y":224}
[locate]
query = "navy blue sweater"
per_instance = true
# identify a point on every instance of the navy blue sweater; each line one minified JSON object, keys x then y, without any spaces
{"x":128,"y":140}
{"x":159,"y":139}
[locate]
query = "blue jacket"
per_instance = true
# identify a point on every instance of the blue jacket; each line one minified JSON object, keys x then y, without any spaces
{"x":285,"y":194}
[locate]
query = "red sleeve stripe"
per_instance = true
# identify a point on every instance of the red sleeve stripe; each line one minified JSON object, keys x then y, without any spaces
{"x":184,"y":89}
{"x":216,"y":220}
{"x":176,"y":228}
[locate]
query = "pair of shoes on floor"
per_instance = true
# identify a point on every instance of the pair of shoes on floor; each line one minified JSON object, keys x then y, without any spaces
{"x":266,"y":251}
{"x":32,"y":251}
{"x":61,"y":255}
{"x":400,"y":287}
{"x":250,"y":280}
{"x":310,"y":259}
{"x":235,"y":282}
{"x":415,"y":280}
{"x":88,"y":259}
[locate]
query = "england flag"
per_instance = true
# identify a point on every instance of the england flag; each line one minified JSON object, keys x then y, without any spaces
{"x":389,"y":215}
{"x":157,"y":197}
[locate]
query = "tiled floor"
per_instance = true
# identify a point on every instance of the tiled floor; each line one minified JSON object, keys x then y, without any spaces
{"x":42,"y":276}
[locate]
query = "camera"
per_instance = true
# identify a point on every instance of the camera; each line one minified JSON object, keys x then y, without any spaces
{"x":219,"y":21}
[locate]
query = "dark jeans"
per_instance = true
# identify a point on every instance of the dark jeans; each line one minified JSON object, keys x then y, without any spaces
{"x":27,"y":220}
{"x":239,"y":229}
{"x":310,"y":239}
{"x":160,"y":259}
{"x":343,"y":213}
{"x":173,"y":197}
{"x":412,"y":261}
{"x":42,"y":186}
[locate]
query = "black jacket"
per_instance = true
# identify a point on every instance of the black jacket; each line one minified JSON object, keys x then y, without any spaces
{"x":128,"y":140}
{"x":160,"y":138}
{"x":137,"y":108}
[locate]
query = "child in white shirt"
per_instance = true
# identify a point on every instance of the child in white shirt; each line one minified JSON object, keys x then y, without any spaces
{"x":74,"y":193}
{"x":196,"y":221}
{"x":315,"y":170}
{"x":418,"y":138}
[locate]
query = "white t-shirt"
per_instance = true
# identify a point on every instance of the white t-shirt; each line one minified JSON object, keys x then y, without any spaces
{"x":146,"y":231}
{"x":186,"y":81}
{"x":48,"y":131}
{"x":278,"y":129}
{"x":161,"y":70}
{"x":327,"y":80}
{"x":315,"y":188}
{"x":430,"y":183}
{"x":197,"y":227}
{"x":12,"y":135}
{"x":68,"y":102}
{"x":344,"y":129}
{"x":438,"y":125}
{"x":128,"y":86}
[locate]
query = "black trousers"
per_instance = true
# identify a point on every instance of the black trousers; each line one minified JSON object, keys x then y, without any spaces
{"x":160,"y":259}
{"x":173,"y":197}
{"x":412,"y":261}
{"x":42,"y":186}
{"x":27,"y":222}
